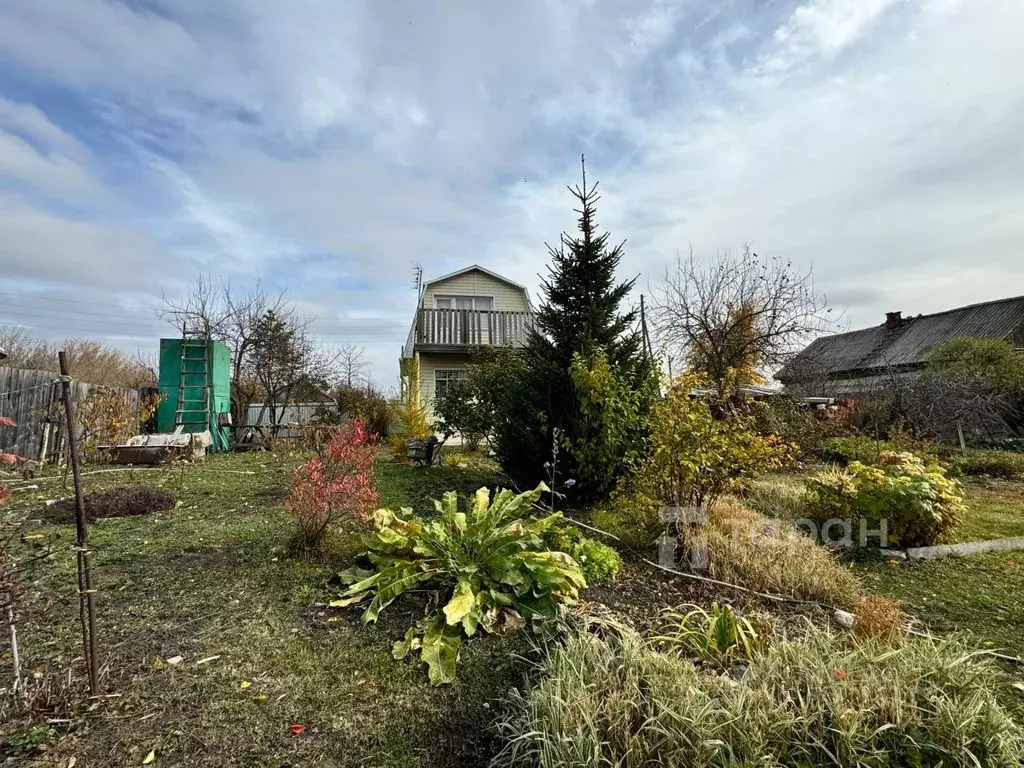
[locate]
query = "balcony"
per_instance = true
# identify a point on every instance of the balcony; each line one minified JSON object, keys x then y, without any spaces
{"x":455,"y":330}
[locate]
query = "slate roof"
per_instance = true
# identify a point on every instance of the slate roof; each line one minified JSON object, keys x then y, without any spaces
{"x":907,"y":345}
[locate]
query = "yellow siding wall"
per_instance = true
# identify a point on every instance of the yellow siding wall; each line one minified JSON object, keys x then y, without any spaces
{"x":507,"y":298}
{"x":429,"y":364}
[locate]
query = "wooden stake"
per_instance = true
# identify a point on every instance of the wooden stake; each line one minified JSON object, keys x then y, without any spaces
{"x":87,"y":612}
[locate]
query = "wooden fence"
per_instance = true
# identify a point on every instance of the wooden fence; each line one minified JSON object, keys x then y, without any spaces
{"x":32,"y":400}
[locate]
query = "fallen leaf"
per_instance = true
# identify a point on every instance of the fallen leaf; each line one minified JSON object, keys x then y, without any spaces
{"x":297,"y":729}
{"x":245,"y":684}
{"x":174,"y":660}
{"x":1010,"y":563}
{"x":72,"y":762}
{"x":207,"y":659}
{"x":150,"y":757}
{"x":1019,"y":685}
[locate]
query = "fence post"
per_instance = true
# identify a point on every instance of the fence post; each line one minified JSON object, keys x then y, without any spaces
{"x":85,"y":587}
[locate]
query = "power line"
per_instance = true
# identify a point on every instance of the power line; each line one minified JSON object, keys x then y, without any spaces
{"x":61,"y":300}
{"x":73,"y":315}
{"x":149,"y":332}
{"x":73,"y":320}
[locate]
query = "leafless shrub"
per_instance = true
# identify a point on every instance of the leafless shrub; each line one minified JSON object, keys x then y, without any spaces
{"x":91,"y":360}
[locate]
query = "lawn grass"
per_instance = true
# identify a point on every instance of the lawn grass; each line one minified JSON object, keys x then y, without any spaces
{"x":980,"y":594}
{"x":211,"y":578}
{"x":995,"y":509}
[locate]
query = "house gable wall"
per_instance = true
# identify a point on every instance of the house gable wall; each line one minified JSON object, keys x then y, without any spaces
{"x":507,"y":297}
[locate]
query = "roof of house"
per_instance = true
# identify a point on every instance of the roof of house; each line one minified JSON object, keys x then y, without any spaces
{"x":908,"y":343}
{"x":470,"y":269}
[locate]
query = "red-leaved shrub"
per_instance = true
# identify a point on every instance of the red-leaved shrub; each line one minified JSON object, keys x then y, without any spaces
{"x":334,"y":487}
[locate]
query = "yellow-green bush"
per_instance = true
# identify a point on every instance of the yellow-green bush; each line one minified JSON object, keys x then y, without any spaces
{"x":701,"y":450}
{"x":920,"y":505}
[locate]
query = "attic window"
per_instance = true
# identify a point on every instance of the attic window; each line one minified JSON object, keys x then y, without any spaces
{"x":452,"y":301}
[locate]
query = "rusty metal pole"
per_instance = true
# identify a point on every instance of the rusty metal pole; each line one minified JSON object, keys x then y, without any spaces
{"x":86,"y":591}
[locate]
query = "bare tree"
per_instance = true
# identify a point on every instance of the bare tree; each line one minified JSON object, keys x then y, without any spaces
{"x":736,"y":317}
{"x":222,"y":312}
{"x":352,"y":366}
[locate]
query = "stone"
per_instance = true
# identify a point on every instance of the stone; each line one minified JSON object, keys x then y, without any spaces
{"x":843,"y":618}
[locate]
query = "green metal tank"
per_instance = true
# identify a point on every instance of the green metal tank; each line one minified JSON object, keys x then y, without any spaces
{"x":195,"y":382}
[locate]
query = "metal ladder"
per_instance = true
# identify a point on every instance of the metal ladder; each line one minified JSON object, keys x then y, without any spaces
{"x":193,"y":413}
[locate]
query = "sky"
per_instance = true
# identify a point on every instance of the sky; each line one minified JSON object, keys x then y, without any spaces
{"x":327,"y":147}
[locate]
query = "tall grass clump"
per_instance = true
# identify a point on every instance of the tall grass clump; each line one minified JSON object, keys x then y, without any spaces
{"x":616,"y":701}
{"x":748,"y":549}
{"x":776,"y":496}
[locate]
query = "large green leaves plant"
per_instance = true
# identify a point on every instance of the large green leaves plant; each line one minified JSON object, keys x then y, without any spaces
{"x":491,"y":561}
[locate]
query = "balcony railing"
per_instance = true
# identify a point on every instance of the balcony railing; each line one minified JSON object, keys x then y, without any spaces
{"x":470,"y":327}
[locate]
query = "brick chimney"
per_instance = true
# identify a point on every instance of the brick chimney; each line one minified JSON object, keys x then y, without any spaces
{"x":893,"y":320}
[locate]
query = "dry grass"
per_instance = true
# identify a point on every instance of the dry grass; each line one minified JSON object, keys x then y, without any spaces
{"x":748,"y":549}
{"x":877,"y":617}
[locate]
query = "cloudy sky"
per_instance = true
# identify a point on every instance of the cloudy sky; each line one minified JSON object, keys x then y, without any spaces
{"x":326,"y":146}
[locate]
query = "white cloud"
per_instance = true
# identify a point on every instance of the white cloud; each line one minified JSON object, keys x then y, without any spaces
{"x":823,"y":28}
{"x":51,"y":174}
{"x":43,"y":248}
{"x":329,"y":145}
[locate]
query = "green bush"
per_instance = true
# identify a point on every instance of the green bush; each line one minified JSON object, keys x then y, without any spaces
{"x":598,"y":561}
{"x":363,"y":403}
{"x":632,"y":517}
{"x":618,"y":415}
{"x":615,"y":700}
{"x":920,"y":505}
{"x":490,"y":563}
{"x":991,"y":463}
{"x":1015,"y":444}
{"x":795,"y":426}
{"x":867,"y":450}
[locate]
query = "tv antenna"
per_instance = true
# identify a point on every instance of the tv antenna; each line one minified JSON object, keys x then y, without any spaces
{"x":417,"y":280}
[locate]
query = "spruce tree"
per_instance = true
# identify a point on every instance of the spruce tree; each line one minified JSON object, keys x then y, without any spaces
{"x":580,"y":312}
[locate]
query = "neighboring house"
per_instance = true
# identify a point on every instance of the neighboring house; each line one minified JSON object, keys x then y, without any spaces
{"x":456,"y":313}
{"x":855,"y":363}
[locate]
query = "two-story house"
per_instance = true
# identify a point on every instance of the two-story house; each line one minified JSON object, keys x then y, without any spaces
{"x":456,"y":313}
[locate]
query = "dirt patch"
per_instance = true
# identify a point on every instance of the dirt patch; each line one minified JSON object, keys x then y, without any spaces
{"x":122,"y":501}
{"x":640,"y":594}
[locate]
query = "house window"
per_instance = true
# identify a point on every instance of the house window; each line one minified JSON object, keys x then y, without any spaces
{"x":444,"y":377}
{"x":463,"y":302}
